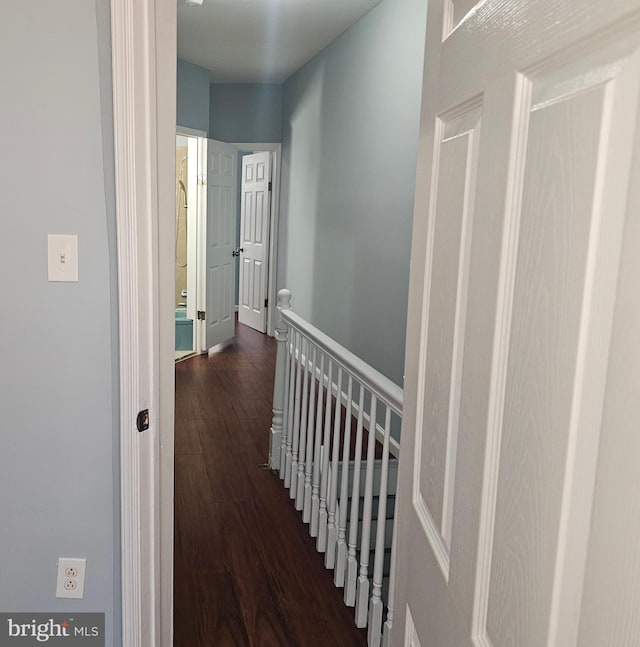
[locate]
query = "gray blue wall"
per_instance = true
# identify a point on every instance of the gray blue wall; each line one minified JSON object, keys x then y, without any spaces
{"x":350,"y":129}
{"x":58,"y":379}
{"x":192,"y":101}
{"x":245,"y":112}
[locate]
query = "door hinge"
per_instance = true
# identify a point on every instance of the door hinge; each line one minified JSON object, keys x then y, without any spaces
{"x":269,"y":186}
{"x":201,"y":315}
{"x":142,"y":420}
{"x":266,"y":303}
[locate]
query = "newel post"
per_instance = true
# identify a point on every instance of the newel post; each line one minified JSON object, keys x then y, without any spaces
{"x":277,"y":423}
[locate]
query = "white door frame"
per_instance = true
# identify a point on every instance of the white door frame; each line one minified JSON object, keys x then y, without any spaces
{"x":144,"y":100}
{"x":144,"y":115}
{"x":272,"y":266}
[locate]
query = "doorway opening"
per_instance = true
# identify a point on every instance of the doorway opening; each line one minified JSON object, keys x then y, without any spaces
{"x":220,"y":221}
{"x":225,"y":246}
{"x":188,"y":212}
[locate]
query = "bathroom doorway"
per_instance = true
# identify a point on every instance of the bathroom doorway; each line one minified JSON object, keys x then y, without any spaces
{"x":188,"y":205}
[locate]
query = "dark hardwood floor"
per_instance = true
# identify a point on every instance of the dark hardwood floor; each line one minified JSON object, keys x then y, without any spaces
{"x":246,"y":570}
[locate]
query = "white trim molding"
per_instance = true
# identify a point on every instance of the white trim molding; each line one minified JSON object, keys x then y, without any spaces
{"x":132,"y":129}
{"x":143,"y":115}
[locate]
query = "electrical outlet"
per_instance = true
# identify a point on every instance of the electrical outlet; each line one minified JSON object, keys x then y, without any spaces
{"x":70,"y":581}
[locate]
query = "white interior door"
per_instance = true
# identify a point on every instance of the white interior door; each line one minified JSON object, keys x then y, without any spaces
{"x":519,"y":520}
{"x":254,"y":239}
{"x":221,"y":234}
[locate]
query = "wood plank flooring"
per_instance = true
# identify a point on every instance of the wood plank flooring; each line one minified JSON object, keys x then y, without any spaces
{"x":246,"y":571}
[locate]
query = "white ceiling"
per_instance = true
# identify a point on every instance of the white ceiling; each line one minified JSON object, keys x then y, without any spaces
{"x":261,"y":41}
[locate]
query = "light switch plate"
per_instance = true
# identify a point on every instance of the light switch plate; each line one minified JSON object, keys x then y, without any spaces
{"x":63,"y":257}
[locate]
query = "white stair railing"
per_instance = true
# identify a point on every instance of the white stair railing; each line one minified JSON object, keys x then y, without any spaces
{"x":327,"y":404}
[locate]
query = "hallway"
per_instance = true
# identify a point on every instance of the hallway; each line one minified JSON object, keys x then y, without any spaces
{"x":246,"y":570}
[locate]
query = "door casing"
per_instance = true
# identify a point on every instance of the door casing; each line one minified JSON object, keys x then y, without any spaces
{"x":144,"y":100}
{"x":144,"y":122}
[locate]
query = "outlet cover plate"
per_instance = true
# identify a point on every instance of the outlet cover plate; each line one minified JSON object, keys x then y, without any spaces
{"x":70,"y":580}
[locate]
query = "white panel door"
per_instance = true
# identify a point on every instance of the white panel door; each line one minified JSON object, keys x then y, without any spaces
{"x":222,"y":189}
{"x":519,"y":521}
{"x":254,"y":239}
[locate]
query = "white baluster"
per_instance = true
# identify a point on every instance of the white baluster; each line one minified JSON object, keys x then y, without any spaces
{"x":306,"y":495}
{"x":299,"y":492}
{"x":315,"y":483}
{"x":286,"y":426}
{"x":341,"y":544}
{"x":321,"y":544}
{"x":352,"y":561}
{"x":290,"y":407}
{"x":332,"y":530}
{"x":296,"y":420}
{"x":388,"y":625}
{"x":308,"y":455}
{"x":362,"y":590}
{"x":376,"y":606}
{"x":279,"y":382}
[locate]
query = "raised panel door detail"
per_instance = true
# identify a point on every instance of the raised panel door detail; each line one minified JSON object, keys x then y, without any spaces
{"x":215,"y":289}
{"x":455,"y":11}
{"x":246,"y":283}
{"x":227,"y":165}
{"x":557,"y":204}
{"x":611,"y":597}
{"x":437,"y":427}
{"x":214,"y":163}
{"x":256,"y":282}
{"x":259,"y":218}
{"x":214,"y":220}
{"x":228,"y":282}
{"x":563,"y":94}
{"x":249,"y":220}
{"x":229,"y":230}
{"x":411,"y":636}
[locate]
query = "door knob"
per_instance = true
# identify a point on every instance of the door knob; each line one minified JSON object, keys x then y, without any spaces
{"x":236,"y":252}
